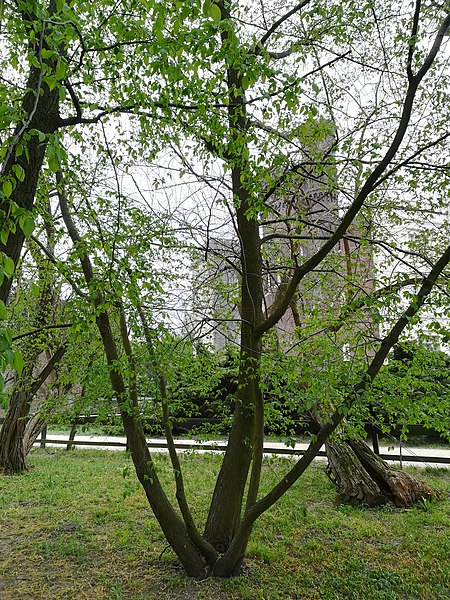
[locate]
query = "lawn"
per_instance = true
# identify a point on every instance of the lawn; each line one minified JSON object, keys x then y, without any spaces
{"x":77,"y":525}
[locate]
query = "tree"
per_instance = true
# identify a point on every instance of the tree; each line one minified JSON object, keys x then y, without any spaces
{"x":57,"y":60}
{"x":232,"y":135}
{"x":237,"y":99}
{"x":38,"y":307}
{"x":45,"y":47}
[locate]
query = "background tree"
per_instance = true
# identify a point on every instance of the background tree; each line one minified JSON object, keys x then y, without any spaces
{"x":38,"y":310}
{"x":60,"y":63}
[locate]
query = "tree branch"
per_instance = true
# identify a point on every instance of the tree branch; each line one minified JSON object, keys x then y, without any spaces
{"x":413,"y":40}
{"x":283,"y":300}
{"x":40,"y":379}
{"x":75,"y":99}
{"x":45,"y":327}
{"x":278,"y":24}
{"x":208,"y":551}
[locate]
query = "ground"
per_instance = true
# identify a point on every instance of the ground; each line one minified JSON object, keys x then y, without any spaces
{"x":78,"y":526}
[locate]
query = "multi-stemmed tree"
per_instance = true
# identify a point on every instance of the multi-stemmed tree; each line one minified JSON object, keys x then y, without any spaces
{"x":240,"y":92}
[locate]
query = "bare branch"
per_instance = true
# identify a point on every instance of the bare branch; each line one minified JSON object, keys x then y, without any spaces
{"x":45,"y":327}
{"x":283,"y":300}
{"x":413,"y":40}
{"x":280,"y":22}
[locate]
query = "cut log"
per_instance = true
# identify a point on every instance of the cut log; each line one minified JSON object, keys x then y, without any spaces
{"x":404,"y":489}
{"x":354,"y":484}
{"x":362,"y":477}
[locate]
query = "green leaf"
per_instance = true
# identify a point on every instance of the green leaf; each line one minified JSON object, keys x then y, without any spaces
{"x":34,"y":289}
{"x":3,"y":310}
{"x":47,"y":53}
{"x":18,"y":362}
{"x":4,"y":342}
{"x":8,"y":265}
{"x":206,"y":7}
{"x":27,"y":226}
{"x":9,"y":355}
{"x":51,"y":82}
{"x":4,"y":233}
{"x":17,"y":210}
{"x":19,"y":172}
{"x":61,"y":68}
{"x":215,"y":13}
{"x":7,"y":188}
{"x":53,"y":161}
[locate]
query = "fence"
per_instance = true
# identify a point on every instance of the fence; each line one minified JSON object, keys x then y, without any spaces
{"x":187,"y":424}
{"x":70,"y":442}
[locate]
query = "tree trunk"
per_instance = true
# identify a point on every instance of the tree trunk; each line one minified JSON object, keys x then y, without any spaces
{"x":41,"y":107}
{"x":226,"y":505}
{"x":362,"y":477}
{"x":73,"y":431}
{"x":246,"y":436}
{"x":32,"y":430}
{"x":12,"y":456}
{"x":12,"y":449}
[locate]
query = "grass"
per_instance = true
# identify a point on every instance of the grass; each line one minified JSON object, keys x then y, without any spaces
{"x":77,"y":525}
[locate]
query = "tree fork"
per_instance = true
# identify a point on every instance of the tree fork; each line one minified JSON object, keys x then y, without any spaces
{"x":225,"y":510}
{"x":230,"y":562}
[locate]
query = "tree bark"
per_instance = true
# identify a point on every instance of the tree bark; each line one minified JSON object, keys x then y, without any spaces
{"x":12,"y":456}
{"x":12,"y":448}
{"x":32,"y":430}
{"x":246,"y":436}
{"x":362,"y":477}
{"x":354,"y":484}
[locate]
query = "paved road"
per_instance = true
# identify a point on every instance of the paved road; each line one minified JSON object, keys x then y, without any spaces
{"x":158,"y":445}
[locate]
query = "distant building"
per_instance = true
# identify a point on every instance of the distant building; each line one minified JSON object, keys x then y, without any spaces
{"x":301,"y":214}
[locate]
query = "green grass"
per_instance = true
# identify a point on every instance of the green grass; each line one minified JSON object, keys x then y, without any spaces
{"x":77,"y":525}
